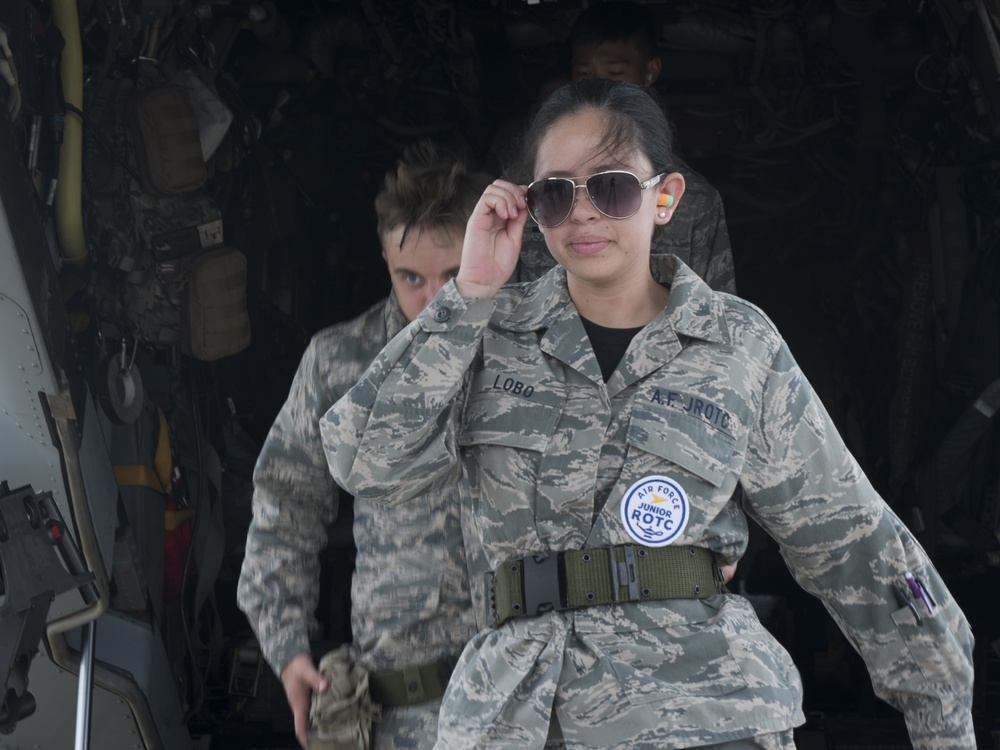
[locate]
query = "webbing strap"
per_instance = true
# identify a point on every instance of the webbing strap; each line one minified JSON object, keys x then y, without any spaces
{"x":411,"y":685}
{"x":172,"y":519}
{"x":157,"y":477}
{"x":138,"y":475}
{"x":526,"y":587}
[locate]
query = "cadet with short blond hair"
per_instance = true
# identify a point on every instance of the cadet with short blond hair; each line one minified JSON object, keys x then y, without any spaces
{"x":410,"y":607}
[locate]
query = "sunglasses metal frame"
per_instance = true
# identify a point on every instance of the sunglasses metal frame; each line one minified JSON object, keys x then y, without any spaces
{"x":585,"y":180}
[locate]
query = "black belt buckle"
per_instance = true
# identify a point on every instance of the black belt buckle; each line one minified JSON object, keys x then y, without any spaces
{"x":623,"y":573}
{"x":489,"y":603}
{"x":544,"y":584}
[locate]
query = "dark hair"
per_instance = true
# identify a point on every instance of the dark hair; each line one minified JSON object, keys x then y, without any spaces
{"x":616,"y":22}
{"x":633,"y":121}
{"x":431,"y":188}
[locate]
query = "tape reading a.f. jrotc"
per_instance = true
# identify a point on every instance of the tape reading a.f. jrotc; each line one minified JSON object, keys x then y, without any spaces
{"x":702,"y":408}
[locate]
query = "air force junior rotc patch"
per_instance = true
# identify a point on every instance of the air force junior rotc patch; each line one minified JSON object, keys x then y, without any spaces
{"x":655,"y":511}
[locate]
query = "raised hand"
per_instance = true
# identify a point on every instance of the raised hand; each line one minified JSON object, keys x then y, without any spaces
{"x":492,"y":240}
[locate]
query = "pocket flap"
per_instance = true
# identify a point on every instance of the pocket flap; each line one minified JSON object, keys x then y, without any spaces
{"x":682,"y":439}
{"x":496,"y":419}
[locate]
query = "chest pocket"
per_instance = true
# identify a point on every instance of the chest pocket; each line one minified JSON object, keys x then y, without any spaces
{"x":503,"y":441}
{"x":493,"y":418}
{"x":509,"y":409}
{"x":681,"y":438}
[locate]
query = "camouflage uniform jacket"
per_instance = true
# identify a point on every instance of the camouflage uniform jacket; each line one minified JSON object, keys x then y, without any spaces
{"x":707,"y":395}
{"x":697,"y":234}
{"x":410,"y":594}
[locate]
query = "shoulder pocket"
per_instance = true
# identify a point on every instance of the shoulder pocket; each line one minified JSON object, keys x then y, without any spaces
{"x":684,"y":440}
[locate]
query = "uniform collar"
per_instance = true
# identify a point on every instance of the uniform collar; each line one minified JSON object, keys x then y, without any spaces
{"x":392,"y":316}
{"x":693,"y":310}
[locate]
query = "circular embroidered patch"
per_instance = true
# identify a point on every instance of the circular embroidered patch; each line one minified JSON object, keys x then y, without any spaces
{"x":655,"y":511}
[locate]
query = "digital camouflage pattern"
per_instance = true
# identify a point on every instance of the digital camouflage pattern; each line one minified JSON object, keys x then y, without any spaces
{"x":171,"y":227}
{"x":341,"y":718}
{"x":157,"y":259}
{"x":697,"y":234}
{"x":410,"y":593}
{"x":708,"y":395}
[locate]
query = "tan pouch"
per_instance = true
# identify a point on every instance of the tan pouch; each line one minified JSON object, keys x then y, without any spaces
{"x":341,"y":718}
{"x":167,"y":145}
{"x":214,"y":318}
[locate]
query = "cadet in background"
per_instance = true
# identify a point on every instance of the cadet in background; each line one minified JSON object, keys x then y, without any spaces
{"x":603,"y":417}
{"x":410,"y":606}
{"x":617,"y":40}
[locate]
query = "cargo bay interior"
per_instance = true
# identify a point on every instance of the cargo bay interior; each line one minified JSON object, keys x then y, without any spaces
{"x":854,"y":145}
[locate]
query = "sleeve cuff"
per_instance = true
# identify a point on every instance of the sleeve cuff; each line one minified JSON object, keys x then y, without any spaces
{"x":449,"y":311}
{"x":279,"y":654}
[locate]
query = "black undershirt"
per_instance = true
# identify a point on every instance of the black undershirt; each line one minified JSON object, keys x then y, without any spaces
{"x":609,"y":344}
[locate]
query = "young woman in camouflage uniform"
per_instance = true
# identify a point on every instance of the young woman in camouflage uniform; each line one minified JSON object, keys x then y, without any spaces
{"x":603,"y":418}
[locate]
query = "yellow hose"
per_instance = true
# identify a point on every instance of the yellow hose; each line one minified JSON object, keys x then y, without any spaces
{"x":69,"y":194}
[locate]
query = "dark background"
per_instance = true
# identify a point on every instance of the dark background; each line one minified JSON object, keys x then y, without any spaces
{"x":855,"y":148}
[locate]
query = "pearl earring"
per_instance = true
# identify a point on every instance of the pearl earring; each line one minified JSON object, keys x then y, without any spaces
{"x":662,"y":214}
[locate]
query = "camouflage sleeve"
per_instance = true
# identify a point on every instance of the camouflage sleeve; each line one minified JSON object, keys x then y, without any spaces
{"x":393,"y":436}
{"x":294,"y":499}
{"x":535,"y":259}
{"x":711,"y":234}
{"x":697,"y":233}
{"x":845,"y":545}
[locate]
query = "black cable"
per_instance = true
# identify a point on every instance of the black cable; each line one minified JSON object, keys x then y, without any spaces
{"x":200,"y":684}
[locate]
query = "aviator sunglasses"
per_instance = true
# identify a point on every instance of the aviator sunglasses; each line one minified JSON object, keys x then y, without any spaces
{"x":616,"y":194}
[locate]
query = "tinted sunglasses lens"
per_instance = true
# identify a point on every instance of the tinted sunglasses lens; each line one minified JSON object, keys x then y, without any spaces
{"x":615,"y":194}
{"x":550,"y":201}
